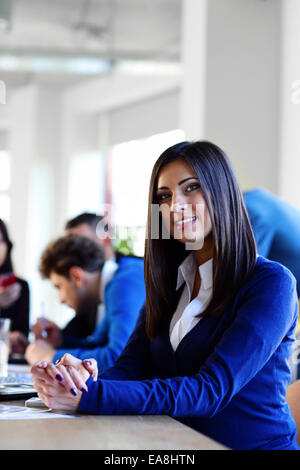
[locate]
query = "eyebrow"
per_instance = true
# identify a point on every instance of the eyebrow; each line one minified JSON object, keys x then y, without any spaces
{"x":180,"y":182}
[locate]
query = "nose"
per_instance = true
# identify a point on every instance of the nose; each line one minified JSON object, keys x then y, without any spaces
{"x":178,"y":203}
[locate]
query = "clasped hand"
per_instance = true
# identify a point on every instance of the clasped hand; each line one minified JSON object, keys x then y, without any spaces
{"x":61,"y":385}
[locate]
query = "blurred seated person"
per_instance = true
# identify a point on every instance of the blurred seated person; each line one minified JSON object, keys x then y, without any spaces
{"x":88,"y":225}
{"x":276,"y":227}
{"x":14,"y":295}
{"x":74,"y":265}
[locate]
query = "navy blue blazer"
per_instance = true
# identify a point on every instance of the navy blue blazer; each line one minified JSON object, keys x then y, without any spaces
{"x":228,"y":376}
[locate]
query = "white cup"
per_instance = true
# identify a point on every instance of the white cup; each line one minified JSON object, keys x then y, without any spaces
{"x":4,"y":340}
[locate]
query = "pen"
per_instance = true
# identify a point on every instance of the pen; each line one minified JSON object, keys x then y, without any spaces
{"x":43,"y":320}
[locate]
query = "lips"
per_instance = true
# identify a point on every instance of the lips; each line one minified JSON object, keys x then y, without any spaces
{"x":185,"y":221}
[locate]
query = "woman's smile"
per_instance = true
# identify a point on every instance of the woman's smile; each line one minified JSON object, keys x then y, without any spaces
{"x":184,"y":222}
{"x":182,"y":204}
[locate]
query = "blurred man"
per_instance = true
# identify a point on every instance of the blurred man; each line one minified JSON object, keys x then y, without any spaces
{"x":276,"y":227}
{"x":95,"y":227}
{"x":74,"y":264}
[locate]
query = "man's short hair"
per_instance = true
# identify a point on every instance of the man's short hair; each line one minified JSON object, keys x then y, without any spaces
{"x":88,"y":218}
{"x":68,"y":251}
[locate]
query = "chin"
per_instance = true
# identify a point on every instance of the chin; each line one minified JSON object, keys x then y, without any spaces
{"x":186,"y":237}
{"x":71,"y":306}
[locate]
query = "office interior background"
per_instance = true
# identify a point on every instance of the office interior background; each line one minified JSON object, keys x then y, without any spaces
{"x":92,"y":91}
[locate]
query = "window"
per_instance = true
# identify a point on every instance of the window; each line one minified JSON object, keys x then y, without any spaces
{"x":86,"y":185}
{"x":131,"y":167}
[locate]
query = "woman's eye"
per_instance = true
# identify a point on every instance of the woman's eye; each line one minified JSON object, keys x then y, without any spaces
{"x":192,"y":187}
{"x":162,"y":197}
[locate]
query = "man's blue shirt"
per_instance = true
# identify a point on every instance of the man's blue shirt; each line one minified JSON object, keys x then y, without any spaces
{"x":123,"y":297}
{"x":276,"y":228}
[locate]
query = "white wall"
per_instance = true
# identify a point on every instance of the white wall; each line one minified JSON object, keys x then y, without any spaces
{"x":192,"y":113}
{"x":289,"y":167}
{"x":242,"y":86}
{"x":34,"y":118}
{"x":4,"y":113}
{"x":145,"y":118}
{"x":23,"y":115}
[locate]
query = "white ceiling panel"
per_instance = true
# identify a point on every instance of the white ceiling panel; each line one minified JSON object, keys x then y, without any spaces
{"x":111,"y":29}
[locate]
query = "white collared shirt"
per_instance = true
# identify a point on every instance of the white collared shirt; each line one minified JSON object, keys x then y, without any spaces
{"x":109,"y":268}
{"x":184,"y":318}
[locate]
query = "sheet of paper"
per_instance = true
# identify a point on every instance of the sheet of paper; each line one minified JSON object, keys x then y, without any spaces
{"x":20,"y":412}
{"x":20,"y":372}
{"x":18,"y":369}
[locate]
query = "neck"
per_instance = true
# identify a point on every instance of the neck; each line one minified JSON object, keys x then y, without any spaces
{"x":206,"y":252}
{"x":109,"y":252}
{"x":94,"y":287}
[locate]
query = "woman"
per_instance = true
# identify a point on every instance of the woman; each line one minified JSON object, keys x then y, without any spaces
{"x":212,"y":343}
{"x":14,"y":294}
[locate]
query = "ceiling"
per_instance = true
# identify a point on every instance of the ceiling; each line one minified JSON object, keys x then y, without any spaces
{"x":61,"y":30}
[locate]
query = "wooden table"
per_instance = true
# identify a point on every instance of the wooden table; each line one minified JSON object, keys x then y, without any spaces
{"x":89,"y":432}
{"x":101,"y":432}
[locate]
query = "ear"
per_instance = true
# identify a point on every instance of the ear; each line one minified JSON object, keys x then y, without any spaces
{"x":77,"y":275}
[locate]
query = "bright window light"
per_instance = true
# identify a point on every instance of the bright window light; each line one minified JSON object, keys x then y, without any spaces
{"x":40,"y":64}
{"x":4,"y":170}
{"x":132,"y":164}
{"x":86,"y":184}
{"x":5,"y":207}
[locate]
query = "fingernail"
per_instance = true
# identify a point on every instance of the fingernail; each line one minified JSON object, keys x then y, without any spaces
{"x":42,"y":364}
{"x":89,"y":363}
{"x":73,"y":391}
{"x":58,"y":361}
{"x":84,"y":390}
{"x":59,"y":377}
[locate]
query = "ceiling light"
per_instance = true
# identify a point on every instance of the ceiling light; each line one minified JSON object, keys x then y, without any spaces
{"x":64,"y":65}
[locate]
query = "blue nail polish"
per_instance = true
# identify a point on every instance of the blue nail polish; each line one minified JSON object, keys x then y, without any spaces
{"x":59,"y":377}
{"x":73,"y":391}
{"x":84,"y":390}
{"x":88,"y":362}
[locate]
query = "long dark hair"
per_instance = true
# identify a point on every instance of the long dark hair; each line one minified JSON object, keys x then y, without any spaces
{"x":7,"y":266}
{"x":234,"y":244}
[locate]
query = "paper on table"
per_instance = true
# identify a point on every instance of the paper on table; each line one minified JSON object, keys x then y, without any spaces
{"x":19,"y":412}
{"x":19,"y":368}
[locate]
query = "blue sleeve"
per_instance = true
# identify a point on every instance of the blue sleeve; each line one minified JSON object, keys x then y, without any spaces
{"x":261,"y":207}
{"x":71,"y":342}
{"x":134,"y":362}
{"x":267,"y":312}
{"x":124,"y":297}
{"x":83,"y":348}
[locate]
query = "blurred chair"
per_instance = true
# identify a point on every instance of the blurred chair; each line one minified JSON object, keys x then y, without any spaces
{"x":293,"y":399}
